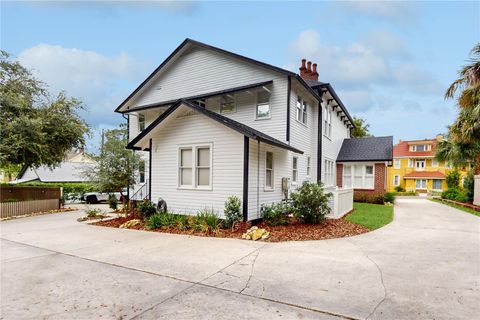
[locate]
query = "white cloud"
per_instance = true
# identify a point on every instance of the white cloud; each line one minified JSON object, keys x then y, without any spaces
{"x":307,"y":43}
{"x":387,"y":44}
{"x":100,"y":81}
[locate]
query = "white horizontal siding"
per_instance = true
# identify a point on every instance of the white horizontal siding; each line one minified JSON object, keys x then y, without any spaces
{"x":199,"y":71}
{"x":257,"y":194}
{"x":227,"y":156}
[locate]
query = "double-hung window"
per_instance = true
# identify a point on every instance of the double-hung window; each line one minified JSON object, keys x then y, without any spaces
{"x":411,"y":162}
{"x":269,"y":170}
{"x":194,"y":167}
{"x":263,"y":105}
{"x":396,"y":163}
{"x":141,"y":122}
{"x":227,"y":104}
{"x":301,"y":111}
{"x":437,"y":184}
{"x":329,"y":173}
{"x":434,"y":163}
{"x":420,"y":165}
{"x":420,"y":184}
{"x":294,"y":169}
{"x":359,"y":176}
{"x":396,"y":180}
{"x":327,"y":129}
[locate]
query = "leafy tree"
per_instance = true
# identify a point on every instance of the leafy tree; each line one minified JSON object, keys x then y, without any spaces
{"x":453,"y":179}
{"x":117,"y":166}
{"x":361,"y":128}
{"x":464,"y":133}
{"x":36,"y":128}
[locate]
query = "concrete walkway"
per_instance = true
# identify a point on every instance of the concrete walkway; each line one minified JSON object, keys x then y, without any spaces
{"x":424,"y":265}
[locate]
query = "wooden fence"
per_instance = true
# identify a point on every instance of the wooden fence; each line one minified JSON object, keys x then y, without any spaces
{"x":18,"y":201}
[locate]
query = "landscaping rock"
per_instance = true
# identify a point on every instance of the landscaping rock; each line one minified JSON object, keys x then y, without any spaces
{"x":254,"y":233}
{"x":130,"y":224}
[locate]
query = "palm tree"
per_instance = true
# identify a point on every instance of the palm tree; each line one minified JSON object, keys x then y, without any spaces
{"x":463,"y":140}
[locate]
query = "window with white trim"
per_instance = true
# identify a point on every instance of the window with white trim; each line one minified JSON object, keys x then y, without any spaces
{"x":419,"y":165}
{"x":420,"y":184}
{"x":396,"y":163}
{"x":411,"y":163}
{"x":434,"y":163}
{"x":294,"y":169}
{"x":327,"y":129}
{"x":263,"y":105}
{"x":269,"y":170}
{"x":437,"y":184}
{"x":359,"y":176}
{"x":301,"y":111}
{"x":448,"y":165}
{"x":396,"y":180}
{"x":194,"y":167}
{"x":329,"y":173}
{"x":141,"y":122}
{"x":308,"y":166}
{"x":227,"y":104}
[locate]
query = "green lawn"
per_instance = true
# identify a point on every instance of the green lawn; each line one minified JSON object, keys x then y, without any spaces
{"x":371,"y":216}
{"x":456,"y":206}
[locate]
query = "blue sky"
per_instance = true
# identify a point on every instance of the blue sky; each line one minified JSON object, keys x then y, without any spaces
{"x":390,"y":62}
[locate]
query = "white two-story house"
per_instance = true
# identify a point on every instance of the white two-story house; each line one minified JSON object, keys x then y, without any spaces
{"x":211,"y":124}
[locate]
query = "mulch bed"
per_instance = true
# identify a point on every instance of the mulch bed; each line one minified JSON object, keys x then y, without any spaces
{"x":296,"y":231}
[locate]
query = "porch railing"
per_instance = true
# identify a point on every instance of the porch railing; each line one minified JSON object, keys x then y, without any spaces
{"x":142,"y":192}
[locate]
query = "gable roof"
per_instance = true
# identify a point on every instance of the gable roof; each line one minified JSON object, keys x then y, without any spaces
{"x":229,"y":53}
{"x":65,"y":172}
{"x":322,"y":85}
{"x":232,"y":124}
{"x":402,"y":149}
{"x":366,"y":149}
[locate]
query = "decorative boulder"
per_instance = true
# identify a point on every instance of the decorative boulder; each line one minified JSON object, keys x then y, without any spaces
{"x":254,"y":233}
{"x":130,"y":223}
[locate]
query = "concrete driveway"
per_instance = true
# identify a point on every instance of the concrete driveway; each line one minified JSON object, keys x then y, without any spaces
{"x":424,"y":265}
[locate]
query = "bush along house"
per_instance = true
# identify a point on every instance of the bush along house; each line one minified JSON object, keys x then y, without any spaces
{"x":211,"y":124}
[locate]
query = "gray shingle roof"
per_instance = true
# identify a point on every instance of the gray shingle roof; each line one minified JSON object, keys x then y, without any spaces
{"x":65,"y":172}
{"x":366,"y":149}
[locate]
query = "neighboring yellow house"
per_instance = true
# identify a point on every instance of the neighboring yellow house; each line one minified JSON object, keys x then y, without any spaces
{"x":415,"y":169}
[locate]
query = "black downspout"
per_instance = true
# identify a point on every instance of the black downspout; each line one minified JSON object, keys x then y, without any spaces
{"x":319,"y":142}
{"x":150,"y":171}
{"x":289,"y":87}
{"x":246,"y":153}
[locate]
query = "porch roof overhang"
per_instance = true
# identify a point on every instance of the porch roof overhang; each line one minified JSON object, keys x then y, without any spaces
{"x":247,"y":131}
{"x":200,"y":96}
{"x":424,"y":175}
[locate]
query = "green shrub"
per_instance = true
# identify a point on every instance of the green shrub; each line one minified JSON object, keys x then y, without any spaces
{"x":232,"y":211}
{"x":468,"y":185}
{"x":205,"y":221}
{"x":168,"y":220}
{"x":276,"y":214}
{"x":451,"y":194}
{"x":310,"y":203}
{"x":183,"y":222}
{"x":93,"y":212}
{"x":153,"y":221}
{"x":389,"y":197}
{"x":453,"y":179}
{"x":461,"y":197}
{"x":399,"y":189}
{"x":112,"y":202}
{"x":147,"y":208}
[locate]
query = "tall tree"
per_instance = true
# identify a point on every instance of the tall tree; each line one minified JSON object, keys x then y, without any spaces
{"x":361,"y":128}
{"x":463,"y":144}
{"x":36,"y":128}
{"x":117,"y":166}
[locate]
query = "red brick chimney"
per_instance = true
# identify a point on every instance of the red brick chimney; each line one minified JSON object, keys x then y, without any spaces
{"x":307,"y":73}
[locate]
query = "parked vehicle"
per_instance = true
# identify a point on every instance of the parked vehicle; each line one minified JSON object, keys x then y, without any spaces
{"x":97,"y":197}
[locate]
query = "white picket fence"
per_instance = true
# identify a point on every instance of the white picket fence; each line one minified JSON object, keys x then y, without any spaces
{"x":341,"y":202}
{"x":20,"y":208}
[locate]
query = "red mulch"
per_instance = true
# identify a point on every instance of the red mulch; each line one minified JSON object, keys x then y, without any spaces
{"x":295,"y":231}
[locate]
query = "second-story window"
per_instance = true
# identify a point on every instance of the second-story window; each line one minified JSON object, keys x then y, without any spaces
{"x":263,"y":105}
{"x":396,"y":163}
{"x":301,"y":111}
{"x":327,"y":130}
{"x":141,"y":122}
{"x":227,"y":104}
